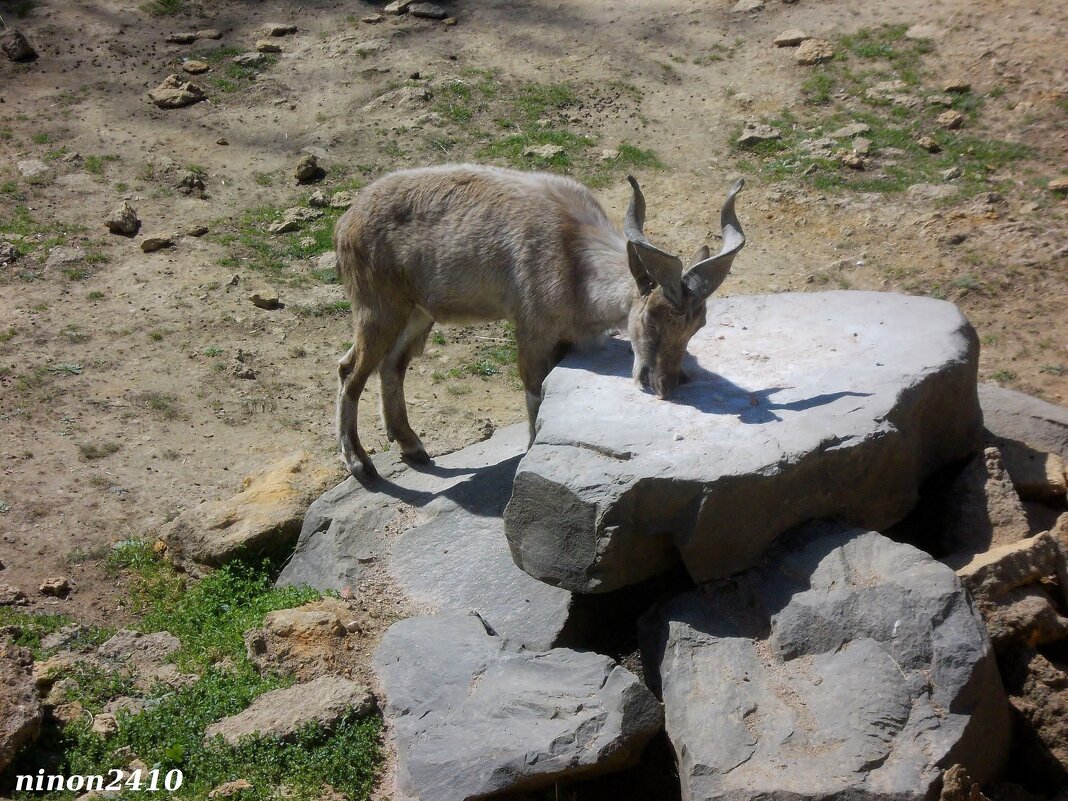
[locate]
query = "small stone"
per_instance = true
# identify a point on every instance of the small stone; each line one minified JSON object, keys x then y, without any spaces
{"x":790,"y":38}
{"x":58,"y":587}
{"x":266,"y":299}
{"x":609,"y":154}
{"x":196,"y":230}
{"x":267,"y":46}
{"x":894,"y":91}
{"x":373,"y":19}
{"x":940,"y":100}
{"x":449,"y":22}
{"x":277,"y":29}
{"x":9,"y":254}
{"x":853,"y":129}
{"x":318,"y":200}
{"x":31,"y":168}
{"x":748,"y":5}
{"x":251,"y":59}
{"x":63,"y":255}
{"x":851,"y":159}
{"x":15,"y":45}
{"x":1036,"y":475}
{"x":956,"y":85}
{"x":151,"y":244}
{"x":308,"y":170}
{"x":814,"y":51}
{"x":543,"y":151}
{"x":755,"y":132}
{"x":950,"y":120}
{"x":342,"y":200}
{"x":427,"y":11}
{"x":861,"y":145}
{"x":952,"y":174}
{"x":195,"y":66}
{"x":1058,"y":184}
{"x":187,"y":37}
{"x":398,"y":7}
{"x":12,"y":596}
{"x":123,"y":220}
{"x":209,"y":33}
{"x":929,"y":143}
{"x":231,"y":788}
{"x":105,"y":724}
{"x":293,"y":219}
{"x":924,"y":31}
{"x":176,"y":93}
{"x":222,"y":140}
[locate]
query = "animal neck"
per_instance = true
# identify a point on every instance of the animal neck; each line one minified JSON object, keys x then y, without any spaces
{"x":609,"y":286}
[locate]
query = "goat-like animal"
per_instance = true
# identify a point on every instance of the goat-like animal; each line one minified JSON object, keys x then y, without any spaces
{"x":466,"y":243}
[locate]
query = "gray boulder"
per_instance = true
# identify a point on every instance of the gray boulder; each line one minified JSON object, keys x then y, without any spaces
{"x":846,"y":666}
{"x":1016,"y":416}
{"x":437,"y":531}
{"x":799,"y":407}
{"x":475,"y":715}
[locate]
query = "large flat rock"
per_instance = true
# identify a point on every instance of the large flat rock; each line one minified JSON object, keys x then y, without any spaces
{"x":800,"y":407}
{"x":474,"y":715}
{"x":847,"y":666}
{"x":1013,"y":415}
{"x":438,"y":531}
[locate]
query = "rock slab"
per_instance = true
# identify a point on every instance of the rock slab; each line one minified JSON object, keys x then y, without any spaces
{"x":847,"y":666}
{"x":475,"y":715}
{"x":1016,"y":416}
{"x":20,"y":708}
{"x":799,"y":407}
{"x":283,"y":713}
{"x":438,"y":531}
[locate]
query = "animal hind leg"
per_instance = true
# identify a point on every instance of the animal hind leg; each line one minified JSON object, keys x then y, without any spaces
{"x":373,"y":337}
{"x":394,"y":367}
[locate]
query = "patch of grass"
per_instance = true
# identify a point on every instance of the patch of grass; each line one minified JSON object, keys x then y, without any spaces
{"x":209,"y":617}
{"x":1003,"y":376}
{"x":511,"y":148}
{"x":249,"y":243}
{"x":264,"y":178}
{"x":95,"y":164}
{"x":35,"y":236}
{"x":438,"y":338}
{"x":336,"y":308}
{"x":41,"y":138}
{"x":164,"y":404}
{"x":156,"y":336}
{"x":65,"y":368}
{"x":95,"y":295}
{"x":8,"y":335}
{"x":213,"y":351}
{"x":98,"y":450}
{"x":29,"y":628}
{"x":93,"y":686}
{"x":9,"y":188}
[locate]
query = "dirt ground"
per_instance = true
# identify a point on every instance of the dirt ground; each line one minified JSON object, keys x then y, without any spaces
{"x":121,"y":396}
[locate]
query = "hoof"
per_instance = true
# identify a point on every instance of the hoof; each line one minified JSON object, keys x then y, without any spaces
{"x":363,"y":471}
{"x":418,"y":456}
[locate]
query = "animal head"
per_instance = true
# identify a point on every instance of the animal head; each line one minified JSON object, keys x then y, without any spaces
{"x":671,"y":300}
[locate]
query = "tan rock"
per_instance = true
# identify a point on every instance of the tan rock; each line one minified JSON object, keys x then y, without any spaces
{"x":983,"y":507}
{"x":231,"y":788}
{"x":150,"y":244}
{"x":994,"y":573}
{"x":267,"y":46}
{"x":282,"y":713}
{"x":950,"y":120}
{"x":195,"y":66}
{"x":814,"y":51}
{"x":1038,"y":691}
{"x":956,"y":85}
{"x":105,"y":724}
{"x":1024,"y":616}
{"x":264,"y":517}
{"x":307,"y":642}
{"x":790,"y":38}
{"x":57,"y":586}
{"x":1058,"y":184}
{"x":957,"y":785}
{"x":929,"y":143}
{"x":1037,"y":476}
{"x":20,"y":708}
{"x":176,"y":93}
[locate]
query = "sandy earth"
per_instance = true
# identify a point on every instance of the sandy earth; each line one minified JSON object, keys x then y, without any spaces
{"x":140,"y":350}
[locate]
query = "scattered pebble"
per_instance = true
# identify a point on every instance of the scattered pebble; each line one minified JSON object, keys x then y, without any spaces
{"x":9,"y":254}
{"x":851,"y":130}
{"x":58,"y":587}
{"x":609,"y":154}
{"x":195,"y":66}
{"x":758,"y":132}
{"x":956,"y":85}
{"x":952,"y":239}
{"x":1058,"y":184}
{"x":373,"y":19}
{"x":222,"y":140}
{"x":427,"y":11}
{"x":861,"y":145}
{"x":748,"y":5}
{"x":929,"y":143}
{"x":16,"y":46}
{"x":790,"y":38}
{"x":814,"y":51}
{"x":308,"y":170}
{"x":342,"y":200}
{"x":196,"y":230}
{"x":123,"y":220}
{"x":952,"y":173}
{"x":209,"y":33}
{"x":448,"y":22}
{"x":267,"y":46}
{"x":151,"y":244}
{"x":63,"y":255}
{"x":940,"y":100}
{"x":277,"y":29}
{"x":293,"y":219}
{"x":105,"y":725}
{"x":250,"y":59}
{"x":951,"y":120}
{"x":12,"y":596}
{"x":266,"y":299}
{"x":176,"y":93}
{"x":398,"y":7}
{"x":851,"y":159}
{"x":318,"y":200}
{"x":230,"y":788}
{"x":186,"y":37}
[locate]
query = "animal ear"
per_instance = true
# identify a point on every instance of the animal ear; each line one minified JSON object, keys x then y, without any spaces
{"x":641,"y":277}
{"x":645,"y":258}
{"x":706,"y":275}
{"x":700,"y":255}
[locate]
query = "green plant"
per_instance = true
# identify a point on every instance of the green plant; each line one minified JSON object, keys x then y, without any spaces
{"x":163,"y":404}
{"x":98,"y":450}
{"x":1003,"y":376}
